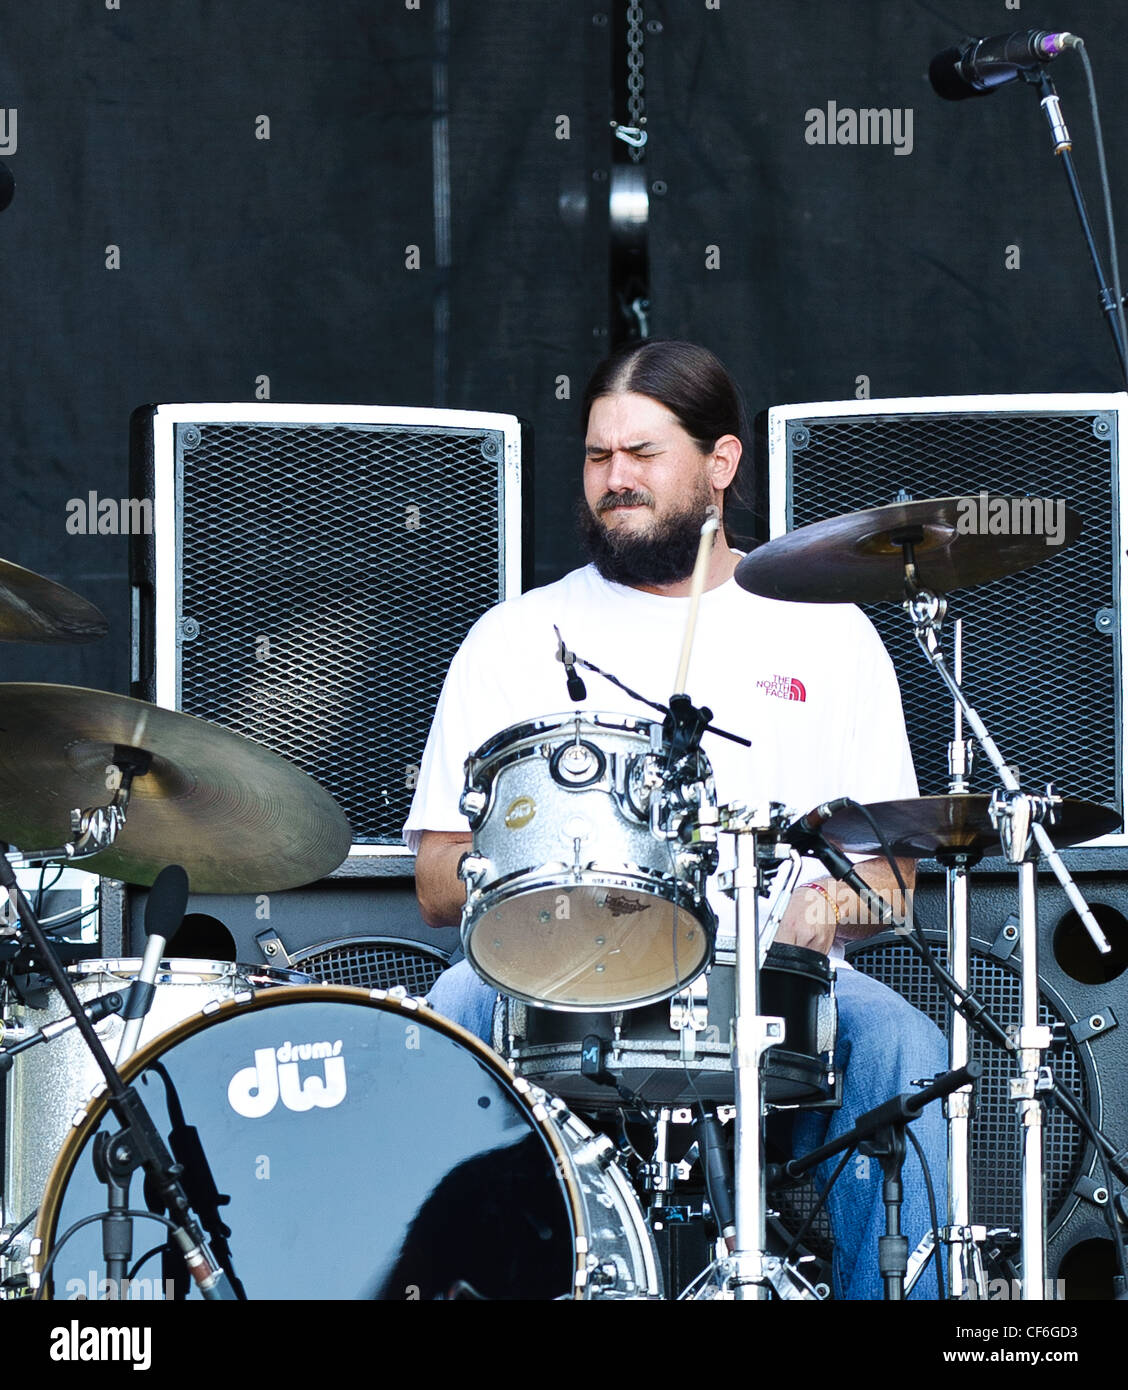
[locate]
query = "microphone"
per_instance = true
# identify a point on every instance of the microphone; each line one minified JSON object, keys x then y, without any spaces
{"x":810,"y":824}
{"x":577,"y":690}
{"x":164,"y":912}
{"x":977,"y":66}
{"x":95,"y":1011}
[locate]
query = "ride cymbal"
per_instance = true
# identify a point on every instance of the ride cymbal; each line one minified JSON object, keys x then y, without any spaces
{"x":926,"y":826}
{"x":859,"y":557}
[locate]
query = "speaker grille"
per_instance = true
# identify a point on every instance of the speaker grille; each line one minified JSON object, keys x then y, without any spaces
{"x":380,"y":964}
{"x":996,"y":1188}
{"x":332,"y":572}
{"x":1035,"y":665}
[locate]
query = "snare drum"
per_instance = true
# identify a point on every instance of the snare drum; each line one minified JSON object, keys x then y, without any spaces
{"x":680,"y":1051}
{"x":362,"y":1148}
{"x":586,"y":885}
{"x":48,"y":1083}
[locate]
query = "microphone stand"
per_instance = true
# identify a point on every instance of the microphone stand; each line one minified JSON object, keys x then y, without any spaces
{"x":137,"y":1144}
{"x":881,"y":1133}
{"x":1063,"y":146}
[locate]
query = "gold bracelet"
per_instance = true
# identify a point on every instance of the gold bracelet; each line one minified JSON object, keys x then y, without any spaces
{"x":832,"y":902}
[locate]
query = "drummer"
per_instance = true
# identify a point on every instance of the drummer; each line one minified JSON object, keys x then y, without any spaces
{"x":809,"y":684}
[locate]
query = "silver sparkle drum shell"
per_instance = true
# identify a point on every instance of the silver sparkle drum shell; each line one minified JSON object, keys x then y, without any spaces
{"x":575,"y":900}
{"x":49,"y":1083}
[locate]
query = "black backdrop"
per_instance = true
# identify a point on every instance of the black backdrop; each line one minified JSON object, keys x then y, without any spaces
{"x":243,"y":257}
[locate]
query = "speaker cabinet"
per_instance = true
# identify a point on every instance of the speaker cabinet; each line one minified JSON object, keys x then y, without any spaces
{"x":362,"y":930}
{"x":1043,"y":655}
{"x":1084,"y":999}
{"x":311,"y":572}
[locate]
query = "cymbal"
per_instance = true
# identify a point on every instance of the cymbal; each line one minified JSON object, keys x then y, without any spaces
{"x":34,"y":609}
{"x":239,"y":818}
{"x":857,"y":558}
{"x":926,"y":826}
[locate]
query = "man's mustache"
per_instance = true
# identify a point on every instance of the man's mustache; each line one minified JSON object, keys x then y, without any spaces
{"x":610,"y":500}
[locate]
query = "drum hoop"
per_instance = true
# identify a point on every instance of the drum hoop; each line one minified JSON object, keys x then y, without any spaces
{"x":201,"y":967}
{"x":549,"y":723}
{"x":522,"y":1092}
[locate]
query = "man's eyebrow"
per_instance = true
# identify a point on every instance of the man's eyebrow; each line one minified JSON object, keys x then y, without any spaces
{"x":630,"y":448}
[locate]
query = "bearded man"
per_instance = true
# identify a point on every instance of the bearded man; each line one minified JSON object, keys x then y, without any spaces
{"x":663,"y":444}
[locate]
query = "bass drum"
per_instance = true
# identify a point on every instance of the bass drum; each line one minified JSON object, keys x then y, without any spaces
{"x":49,"y":1083}
{"x":340,"y":1144}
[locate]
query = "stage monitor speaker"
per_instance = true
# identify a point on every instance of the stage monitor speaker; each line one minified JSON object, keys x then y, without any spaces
{"x":1084,"y":1000}
{"x":1043,"y":655}
{"x":311,"y":571}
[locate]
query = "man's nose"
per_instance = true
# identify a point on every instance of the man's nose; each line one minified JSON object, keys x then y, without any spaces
{"x":622,"y":472}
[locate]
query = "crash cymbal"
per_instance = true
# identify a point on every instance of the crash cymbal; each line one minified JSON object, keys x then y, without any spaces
{"x":239,"y":818}
{"x":923,"y":827}
{"x":34,"y":609}
{"x":858,"y":558}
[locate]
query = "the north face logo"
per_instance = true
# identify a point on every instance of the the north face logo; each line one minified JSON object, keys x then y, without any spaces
{"x":783,"y":687}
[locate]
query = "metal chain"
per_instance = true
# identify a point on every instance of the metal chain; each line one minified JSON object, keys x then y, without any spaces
{"x":636,"y":104}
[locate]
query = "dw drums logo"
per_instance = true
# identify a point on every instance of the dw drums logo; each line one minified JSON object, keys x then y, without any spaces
{"x":255,"y":1091}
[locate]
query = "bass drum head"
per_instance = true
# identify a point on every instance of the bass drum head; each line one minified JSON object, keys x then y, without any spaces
{"x":355,"y":1146}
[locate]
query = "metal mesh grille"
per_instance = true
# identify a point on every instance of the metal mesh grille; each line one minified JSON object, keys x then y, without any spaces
{"x":375,"y":965}
{"x":1059,"y":720}
{"x":996,"y":1190}
{"x":333,"y":571}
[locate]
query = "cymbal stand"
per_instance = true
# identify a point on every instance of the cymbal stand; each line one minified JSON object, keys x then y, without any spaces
{"x":1019,"y":818}
{"x":964,"y":1241}
{"x":750,"y":1271}
{"x":96,"y":828}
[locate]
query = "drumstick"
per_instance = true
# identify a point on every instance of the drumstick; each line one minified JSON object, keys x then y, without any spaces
{"x":696,"y":588}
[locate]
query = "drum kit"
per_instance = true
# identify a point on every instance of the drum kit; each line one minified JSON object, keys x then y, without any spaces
{"x":303,"y":1140}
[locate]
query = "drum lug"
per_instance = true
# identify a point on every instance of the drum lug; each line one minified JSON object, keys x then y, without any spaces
{"x":472,"y":803}
{"x":689,"y":1014}
{"x":472,"y":868}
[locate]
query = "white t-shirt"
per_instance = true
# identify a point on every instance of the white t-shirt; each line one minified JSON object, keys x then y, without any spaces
{"x":810,"y":685}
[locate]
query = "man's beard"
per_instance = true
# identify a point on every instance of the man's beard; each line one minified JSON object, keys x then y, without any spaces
{"x":665,"y":554}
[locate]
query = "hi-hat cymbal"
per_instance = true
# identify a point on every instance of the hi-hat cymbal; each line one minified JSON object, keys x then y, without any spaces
{"x":858,"y":558}
{"x":34,"y":609}
{"x":239,"y":818}
{"x":927,"y":826}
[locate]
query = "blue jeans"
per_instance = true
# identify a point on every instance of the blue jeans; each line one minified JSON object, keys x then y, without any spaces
{"x":884,"y":1045}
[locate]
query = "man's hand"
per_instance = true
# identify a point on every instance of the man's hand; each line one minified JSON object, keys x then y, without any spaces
{"x":825,"y":910}
{"x":809,"y":919}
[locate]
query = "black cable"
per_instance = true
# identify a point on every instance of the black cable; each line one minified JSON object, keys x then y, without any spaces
{"x":806,"y":1226}
{"x":975,"y":1013}
{"x":78,"y":1225}
{"x":148,"y":1255}
{"x":934,"y":1253}
{"x":1106,"y":193}
{"x":24,"y":1223}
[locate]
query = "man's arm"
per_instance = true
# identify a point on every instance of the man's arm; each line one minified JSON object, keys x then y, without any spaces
{"x":825,"y":909}
{"x":440,"y":891}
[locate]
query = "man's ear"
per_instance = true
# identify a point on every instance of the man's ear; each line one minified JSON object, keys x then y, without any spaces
{"x":724,"y":461}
